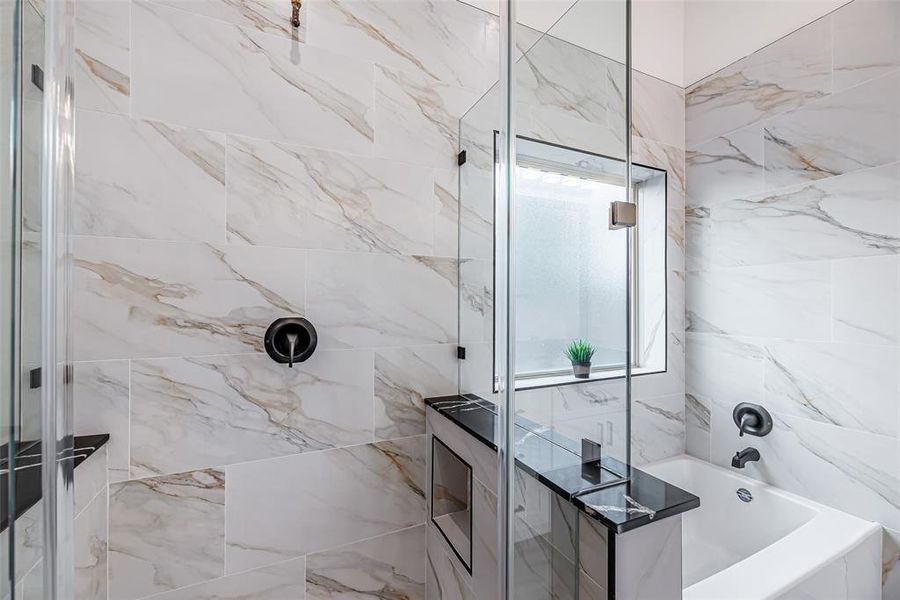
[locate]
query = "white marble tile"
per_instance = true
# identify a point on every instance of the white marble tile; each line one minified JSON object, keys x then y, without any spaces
{"x":287,"y":507}
{"x":848,"y":469}
{"x":857,"y":214}
{"x":351,"y":306}
{"x":850,"y":385}
{"x":448,"y":42}
{"x":90,"y":480}
{"x":724,"y":368}
{"x":593,"y":550}
{"x":696,"y":427}
{"x":206,"y":73}
{"x":657,"y":428}
{"x":446,"y":212}
{"x":865,"y":295}
{"x":669,"y":382}
{"x":417,"y":119}
{"x":90,"y":541}
{"x":132,"y":176}
{"x":588,"y":589}
{"x":476,"y":307}
{"x":282,"y":581}
{"x":140,"y":298}
{"x":648,"y":562}
{"x":563,"y":80}
{"x":485,"y":566}
{"x":386,"y":567}
{"x":476,"y":185}
{"x":848,"y":131}
{"x":165,"y":533}
{"x":787,"y":74}
{"x":101,"y":401}
{"x":103,"y":55}
{"x":866,"y":38}
{"x":404,"y":377}
{"x":785,"y":301}
{"x":890,"y":564}
{"x":726,"y":167}
{"x":445,"y":581}
{"x":192,"y":412}
{"x":286,"y":195}
{"x":265,"y":16}
{"x":658,"y":110}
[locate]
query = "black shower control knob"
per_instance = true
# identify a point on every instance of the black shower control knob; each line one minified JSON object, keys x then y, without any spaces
{"x":290,"y":339}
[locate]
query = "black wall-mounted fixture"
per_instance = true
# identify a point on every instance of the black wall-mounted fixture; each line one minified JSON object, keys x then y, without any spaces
{"x":752,"y":419}
{"x":291,"y":339}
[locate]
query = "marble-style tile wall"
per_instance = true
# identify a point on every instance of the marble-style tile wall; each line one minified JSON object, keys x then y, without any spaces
{"x":793,"y":286}
{"x":573,"y":97}
{"x":231,"y":170}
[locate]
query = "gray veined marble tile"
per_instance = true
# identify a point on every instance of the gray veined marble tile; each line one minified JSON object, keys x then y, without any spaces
{"x":722,"y":367}
{"x":857,"y":214}
{"x":846,"y":132}
{"x":404,"y":377}
{"x":103,"y":55}
{"x":266,"y":16}
{"x":140,"y":298}
{"x":784,"y":300}
{"x":563,"y":79}
{"x":373,"y":300}
{"x":286,"y":195}
{"x":866,"y":44}
{"x":206,"y":73}
{"x":282,"y":581}
{"x":658,"y":110}
{"x":445,"y":579}
{"x":657,"y":428}
{"x":165,"y":533}
{"x":789,"y":73}
{"x":448,"y":42}
{"x":476,"y":312}
{"x":696,"y":427}
{"x":851,"y":470}
{"x":417,"y":119}
{"x":866,"y":292}
{"x":446,"y":212}
{"x":191,"y":412}
{"x":287,"y":507}
{"x":850,"y":385}
{"x":387,"y":567}
{"x":133,"y":175}
{"x":101,"y":399}
{"x":725,"y":167}
{"x":91,"y":543}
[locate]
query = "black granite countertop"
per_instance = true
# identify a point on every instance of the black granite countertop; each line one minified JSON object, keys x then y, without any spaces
{"x":27,"y":464}
{"x":620,"y":496}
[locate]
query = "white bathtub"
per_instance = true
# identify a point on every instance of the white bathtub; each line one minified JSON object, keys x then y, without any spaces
{"x":778,"y":545}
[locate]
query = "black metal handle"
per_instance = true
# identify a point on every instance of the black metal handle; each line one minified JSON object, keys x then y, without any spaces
{"x":290,"y":339}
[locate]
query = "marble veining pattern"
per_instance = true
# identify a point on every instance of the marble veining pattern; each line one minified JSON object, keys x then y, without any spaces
{"x":287,"y":507}
{"x":325,"y":200}
{"x":103,"y":55}
{"x":206,"y":73}
{"x":166,"y":532}
{"x":192,"y":412}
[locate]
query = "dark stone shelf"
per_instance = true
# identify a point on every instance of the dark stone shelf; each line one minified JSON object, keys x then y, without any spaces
{"x":27,"y":464}
{"x":620,"y":496}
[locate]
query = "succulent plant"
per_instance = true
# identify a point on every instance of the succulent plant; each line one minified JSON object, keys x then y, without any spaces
{"x":580,"y":351}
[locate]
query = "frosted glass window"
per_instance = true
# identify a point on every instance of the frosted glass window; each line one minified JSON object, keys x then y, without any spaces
{"x":570,"y":270}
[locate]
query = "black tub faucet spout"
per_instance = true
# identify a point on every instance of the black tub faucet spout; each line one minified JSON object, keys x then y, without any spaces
{"x":744,"y":456}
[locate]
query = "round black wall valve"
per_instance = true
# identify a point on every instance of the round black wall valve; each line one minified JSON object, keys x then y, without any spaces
{"x":290,"y":339}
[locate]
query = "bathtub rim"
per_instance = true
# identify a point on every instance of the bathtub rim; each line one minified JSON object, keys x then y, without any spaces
{"x":785,"y":563}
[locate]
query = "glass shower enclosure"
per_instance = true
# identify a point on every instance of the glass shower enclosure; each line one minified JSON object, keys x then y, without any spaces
{"x":36,"y":170}
{"x":546,"y":258}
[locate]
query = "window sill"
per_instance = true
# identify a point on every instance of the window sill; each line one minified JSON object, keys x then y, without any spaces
{"x":556,"y":380}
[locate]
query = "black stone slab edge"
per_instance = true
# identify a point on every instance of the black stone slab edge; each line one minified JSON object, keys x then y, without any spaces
{"x":27,"y":462}
{"x":620,"y":496}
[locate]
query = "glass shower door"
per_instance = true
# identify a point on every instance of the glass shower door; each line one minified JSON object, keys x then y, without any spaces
{"x":36,"y":483}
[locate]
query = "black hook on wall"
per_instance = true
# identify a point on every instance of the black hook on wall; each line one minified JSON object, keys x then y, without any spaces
{"x":290,"y":339}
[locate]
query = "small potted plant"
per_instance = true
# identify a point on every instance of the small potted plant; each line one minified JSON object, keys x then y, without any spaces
{"x":580,"y":353}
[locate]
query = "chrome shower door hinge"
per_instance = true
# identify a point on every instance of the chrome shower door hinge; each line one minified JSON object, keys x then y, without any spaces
{"x":622,"y":215}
